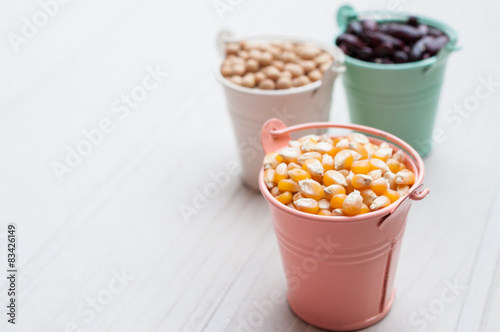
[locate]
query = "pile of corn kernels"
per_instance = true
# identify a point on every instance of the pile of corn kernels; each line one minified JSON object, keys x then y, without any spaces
{"x":272,"y":66}
{"x":343,"y":176}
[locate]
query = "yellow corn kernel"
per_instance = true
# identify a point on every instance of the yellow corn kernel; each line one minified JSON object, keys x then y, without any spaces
{"x":383,"y":154}
{"x":403,"y":189}
{"x":360,"y":167}
{"x":294,"y":144}
{"x":348,"y":179}
{"x":324,"y":147}
{"x":324,"y":204}
{"x":271,"y":160}
{"x":323,"y":212}
{"x":280,"y":173}
{"x":311,"y":189}
{"x":399,"y":156}
{"x":309,"y":155}
{"x":285,"y":197}
{"x":364,"y":209}
{"x":290,"y":154}
{"x":298,"y":195}
{"x":344,"y":172}
{"x":343,"y":160}
{"x":298,"y":174}
{"x":358,"y":138}
{"x":405,"y":177}
{"x":337,"y":139}
{"x":291,"y":206}
{"x":269,"y":178}
{"x":314,"y":167}
{"x":380,"y":202}
{"x":375,"y":174}
{"x":378,"y":164}
{"x":308,"y":205}
{"x":361,"y":181}
{"x":359,"y":148}
{"x":379,"y":186}
{"x":337,"y":212}
{"x":337,"y":201}
{"x":391,"y":179}
{"x":333,"y":190}
{"x":394,"y":165}
{"x":293,"y":165}
{"x":370,"y":149}
{"x":333,"y":177}
{"x":393,"y":195}
{"x":384,"y":145}
{"x":275,"y":191}
{"x":308,"y":145}
{"x":327,"y":162}
{"x":352,"y":203}
{"x":326,"y":138}
{"x":288,"y":185}
{"x":342,"y":144}
{"x":313,"y":137}
{"x":368,"y":196}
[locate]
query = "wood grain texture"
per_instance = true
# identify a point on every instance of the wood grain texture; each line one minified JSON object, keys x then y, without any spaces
{"x":118,"y":211}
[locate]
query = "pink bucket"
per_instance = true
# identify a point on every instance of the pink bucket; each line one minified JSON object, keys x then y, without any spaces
{"x":340,"y":270}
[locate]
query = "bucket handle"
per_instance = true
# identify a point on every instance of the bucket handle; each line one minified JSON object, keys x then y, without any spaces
{"x":275,"y":136}
{"x":347,"y":13}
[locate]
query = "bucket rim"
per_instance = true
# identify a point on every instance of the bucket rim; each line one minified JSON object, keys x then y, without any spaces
{"x":332,"y":49}
{"x":401,"y":17}
{"x":308,"y":217}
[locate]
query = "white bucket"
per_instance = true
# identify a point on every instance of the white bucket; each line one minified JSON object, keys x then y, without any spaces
{"x":251,"y":108}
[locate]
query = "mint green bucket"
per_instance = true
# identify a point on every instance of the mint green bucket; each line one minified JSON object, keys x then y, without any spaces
{"x":399,"y":98}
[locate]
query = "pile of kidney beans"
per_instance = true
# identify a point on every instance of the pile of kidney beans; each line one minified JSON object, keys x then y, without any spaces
{"x":391,"y":42}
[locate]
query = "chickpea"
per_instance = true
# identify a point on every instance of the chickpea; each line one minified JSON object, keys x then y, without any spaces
{"x":301,"y":81}
{"x":226,"y":71}
{"x":232,"y":48}
{"x":236,"y":79}
{"x":248,"y":80}
{"x":295,"y":69}
{"x":243,"y":54}
{"x":278,"y":64}
{"x":308,"y":65}
{"x":267,"y":84}
{"x":272,"y":72}
{"x":238,"y":69}
{"x":265,"y":59}
{"x":254,"y":54}
{"x":308,"y":52}
{"x":324,"y":67}
{"x":322,"y":58}
{"x":252,"y":65}
{"x":259,"y":76}
{"x":286,"y":73}
{"x":288,"y":56}
{"x":284,"y":82}
{"x":314,"y":75}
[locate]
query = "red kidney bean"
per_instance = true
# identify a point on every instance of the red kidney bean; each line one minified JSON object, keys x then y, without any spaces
{"x":399,"y":57}
{"x":375,"y":38}
{"x":355,"y":28}
{"x":413,"y":21}
{"x":424,"y":29}
{"x":426,"y":56}
{"x":403,"y":32}
{"x":383,"y":49}
{"x":369,"y":25}
{"x":435,"y":32}
{"x":433,"y":45}
{"x":419,"y":48}
{"x":350,"y":40}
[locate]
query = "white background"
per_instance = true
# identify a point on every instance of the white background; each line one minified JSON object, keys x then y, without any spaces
{"x":119,"y":209}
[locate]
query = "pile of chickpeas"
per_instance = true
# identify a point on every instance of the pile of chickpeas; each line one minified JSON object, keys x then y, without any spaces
{"x":274,"y":65}
{"x":341,"y":176}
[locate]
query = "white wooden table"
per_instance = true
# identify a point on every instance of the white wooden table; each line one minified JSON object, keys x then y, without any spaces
{"x":106,"y":248}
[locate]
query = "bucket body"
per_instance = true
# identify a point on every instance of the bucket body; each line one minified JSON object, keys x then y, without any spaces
{"x":340,"y":270}
{"x":399,"y":98}
{"x":250,"y":108}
